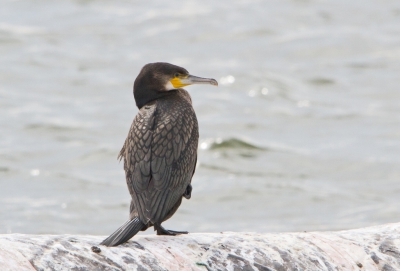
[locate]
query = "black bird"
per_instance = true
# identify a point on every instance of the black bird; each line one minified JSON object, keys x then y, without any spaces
{"x":160,"y":152}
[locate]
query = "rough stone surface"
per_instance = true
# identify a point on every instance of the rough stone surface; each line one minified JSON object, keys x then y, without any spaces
{"x":374,"y":248}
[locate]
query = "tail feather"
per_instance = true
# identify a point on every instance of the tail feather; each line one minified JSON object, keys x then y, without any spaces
{"x":124,"y":233}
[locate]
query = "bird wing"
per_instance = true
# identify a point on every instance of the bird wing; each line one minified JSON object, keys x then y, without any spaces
{"x":160,"y":157}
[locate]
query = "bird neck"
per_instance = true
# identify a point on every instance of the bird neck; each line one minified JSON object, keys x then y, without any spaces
{"x":145,"y":96}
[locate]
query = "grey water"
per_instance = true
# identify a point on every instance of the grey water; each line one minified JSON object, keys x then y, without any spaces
{"x":302,"y":134}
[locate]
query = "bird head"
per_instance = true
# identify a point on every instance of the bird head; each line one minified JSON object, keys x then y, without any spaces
{"x":155,"y":79}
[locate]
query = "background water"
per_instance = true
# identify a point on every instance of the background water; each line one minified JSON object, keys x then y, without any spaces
{"x":302,"y":134}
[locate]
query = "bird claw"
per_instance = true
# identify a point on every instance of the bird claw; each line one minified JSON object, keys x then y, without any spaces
{"x":178,"y":232}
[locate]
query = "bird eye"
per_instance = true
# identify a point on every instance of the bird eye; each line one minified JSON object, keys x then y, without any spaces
{"x":176,"y":74}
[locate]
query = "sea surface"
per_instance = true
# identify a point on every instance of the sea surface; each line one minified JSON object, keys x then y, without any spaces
{"x":302,"y":134}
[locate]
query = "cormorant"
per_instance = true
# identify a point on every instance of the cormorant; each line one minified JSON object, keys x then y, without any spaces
{"x":160,"y":152}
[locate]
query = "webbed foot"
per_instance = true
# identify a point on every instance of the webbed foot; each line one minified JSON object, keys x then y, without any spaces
{"x":162,"y":231}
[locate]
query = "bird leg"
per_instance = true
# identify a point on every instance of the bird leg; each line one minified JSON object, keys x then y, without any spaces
{"x":162,"y":231}
{"x":188,"y":192}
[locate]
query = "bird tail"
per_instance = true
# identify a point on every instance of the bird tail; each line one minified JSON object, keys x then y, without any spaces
{"x":124,"y":233}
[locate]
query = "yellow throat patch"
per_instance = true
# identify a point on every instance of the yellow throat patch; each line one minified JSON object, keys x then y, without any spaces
{"x":176,"y":82}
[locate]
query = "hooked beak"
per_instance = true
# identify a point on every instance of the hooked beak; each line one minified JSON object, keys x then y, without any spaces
{"x":192,"y":80}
